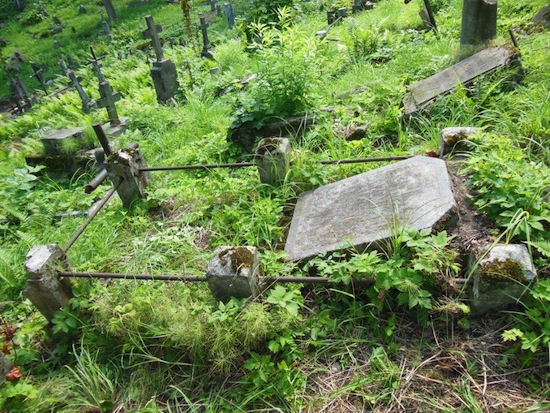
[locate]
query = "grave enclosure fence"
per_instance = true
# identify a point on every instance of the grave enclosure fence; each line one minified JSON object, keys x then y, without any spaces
{"x":229,"y":274}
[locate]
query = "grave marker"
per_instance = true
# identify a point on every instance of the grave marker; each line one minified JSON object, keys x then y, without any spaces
{"x":206,"y":48}
{"x":368,"y":209}
{"x":110,"y":9}
{"x":229,"y":14}
{"x":163,"y":72}
{"x":107,"y":31}
{"x":38,"y":73}
{"x":87,"y":104}
{"x":108,"y":98}
{"x":424,"y":92}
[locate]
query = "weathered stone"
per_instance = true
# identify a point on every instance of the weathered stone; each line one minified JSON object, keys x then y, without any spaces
{"x":542,"y":18}
{"x":82,"y":9}
{"x":501,"y":277}
{"x":44,"y":288}
{"x":357,"y":133}
{"x":116,"y":130}
{"x":272,"y":159}
{"x":165,"y":79}
{"x":126,"y":164}
{"x":54,"y":143}
{"x":451,"y":138}
{"x":233,"y":272}
{"x":370,"y":208}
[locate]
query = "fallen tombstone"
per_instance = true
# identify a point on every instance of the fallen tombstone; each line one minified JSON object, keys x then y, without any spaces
{"x":368,"y":209}
{"x":542,"y":18}
{"x":501,"y":277}
{"x":58,"y":142}
{"x":424,"y":92}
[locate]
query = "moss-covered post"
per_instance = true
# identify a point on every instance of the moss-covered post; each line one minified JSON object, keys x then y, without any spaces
{"x":44,"y":288}
{"x":479,"y":23}
{"x":233,"y":272}
{"x":272,"y":160}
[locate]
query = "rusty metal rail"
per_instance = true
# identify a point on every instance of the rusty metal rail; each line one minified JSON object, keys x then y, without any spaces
{"x":248,"y":164}
{"x":92,"y":215}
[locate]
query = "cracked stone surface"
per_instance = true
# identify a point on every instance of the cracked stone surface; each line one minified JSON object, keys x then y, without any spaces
{"x":368,"y":208}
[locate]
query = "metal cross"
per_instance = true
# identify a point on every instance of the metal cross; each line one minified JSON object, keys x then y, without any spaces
{"x":87,"y":103}
{"x":39,"y":75}
{"x":96,"y":66}
{"x":152,"y":31}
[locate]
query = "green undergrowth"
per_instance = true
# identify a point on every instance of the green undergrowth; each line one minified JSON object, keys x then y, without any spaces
{"x":390,"y":331}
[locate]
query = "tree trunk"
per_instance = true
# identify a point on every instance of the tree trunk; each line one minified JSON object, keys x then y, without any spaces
{"x":479,"y":22}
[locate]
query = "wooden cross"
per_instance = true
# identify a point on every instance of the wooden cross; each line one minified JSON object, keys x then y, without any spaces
{"x":152,"y":31}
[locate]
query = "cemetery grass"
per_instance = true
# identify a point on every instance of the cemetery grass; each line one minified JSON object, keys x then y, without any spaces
{"x":408,"y":343}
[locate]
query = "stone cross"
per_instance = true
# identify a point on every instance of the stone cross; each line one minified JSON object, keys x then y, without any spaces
{"x":87,"y":103}
{"x":152,"y":31}
{"x":229,"y":14}
{"x":108,"y":95}
{"x":206,"y":48}
{"x":107,"y":31}
{"x":39,"y":75}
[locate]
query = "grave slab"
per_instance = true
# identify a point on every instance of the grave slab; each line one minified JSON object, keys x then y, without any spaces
{"x":424,"y":92}
{"x":367,"y":209}
{"x":116,"y":130}
{"x":53,"y":144}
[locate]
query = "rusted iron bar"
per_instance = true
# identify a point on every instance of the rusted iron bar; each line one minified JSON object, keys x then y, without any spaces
{"x":247,"y":164}
{"x":208,"y":166}
{"x":92,"y":215}
{"x":365,"y":160}
{"x":108,"y":275}
{"x":100,"y":133}
{"x":94,"y":183}
{"x":266,"y":280}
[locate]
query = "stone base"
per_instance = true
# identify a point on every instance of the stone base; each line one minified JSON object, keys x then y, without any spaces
{"x":233,"y":272}
{"x":501,"y":278}
{"x":116,"y":130}
{"x":165,"y":79}
{"x":453,"y":138}
{"x":53,"y":144}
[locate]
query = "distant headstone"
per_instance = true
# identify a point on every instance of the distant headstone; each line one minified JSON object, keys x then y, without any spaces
{"x":206,"y":48}
{"x":110,"y":9}
{"x":38,"y":73}
{"x":3,"y":42}
{"x":56,"y":44}
{"x":229,"y":14}
{"x":56,"y":21}
{"x":501,"y":277}
{"x":213,"y":5}
{"x":370,"y":208}
{"x":542,"y":18}
{"x":107,"y":31}
{"x":82,"y":9}
{"x":163,"y":72}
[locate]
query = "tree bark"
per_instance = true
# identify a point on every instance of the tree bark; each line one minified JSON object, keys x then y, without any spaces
{"x":479,"y":22}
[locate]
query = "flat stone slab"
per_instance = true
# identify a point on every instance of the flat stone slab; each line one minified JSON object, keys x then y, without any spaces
{"x":369,"y":208}
{"x":53,"y":144}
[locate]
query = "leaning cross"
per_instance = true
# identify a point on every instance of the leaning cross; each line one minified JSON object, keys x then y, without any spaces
{"x":39,"y":75}
{"x":87,"y":103}
{"x":207,"y":48}
{"x":108,"y":95}
{"x":152,"y":31}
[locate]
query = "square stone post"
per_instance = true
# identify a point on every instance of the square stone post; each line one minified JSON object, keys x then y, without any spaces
{"x":125,"y":164}
{"x":272,"y":160}
{"x":44,"y":288}
{"x":233,"y":272}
